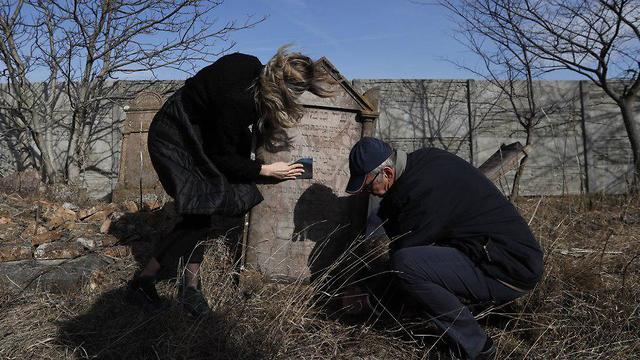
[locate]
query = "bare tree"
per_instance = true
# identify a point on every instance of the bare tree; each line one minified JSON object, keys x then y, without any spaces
{"x":74,"y":47}
{"x":599,"y":39}
{"x":508,"y":65}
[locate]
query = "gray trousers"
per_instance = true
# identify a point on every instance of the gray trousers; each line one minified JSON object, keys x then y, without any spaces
{"x":439,"y":278}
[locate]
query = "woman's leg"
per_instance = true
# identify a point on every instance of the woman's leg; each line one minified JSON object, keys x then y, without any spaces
{"x":183,"y":243}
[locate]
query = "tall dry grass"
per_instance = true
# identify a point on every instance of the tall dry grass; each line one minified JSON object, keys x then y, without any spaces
{"x":586,"y":307}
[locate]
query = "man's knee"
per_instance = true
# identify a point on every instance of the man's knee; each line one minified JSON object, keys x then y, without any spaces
{"x":405,"y":264}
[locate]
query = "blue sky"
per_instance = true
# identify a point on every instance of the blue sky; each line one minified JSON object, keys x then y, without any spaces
{"x":363,"y":39}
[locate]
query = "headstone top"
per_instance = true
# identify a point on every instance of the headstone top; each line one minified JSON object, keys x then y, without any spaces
{"x":146,"y":100}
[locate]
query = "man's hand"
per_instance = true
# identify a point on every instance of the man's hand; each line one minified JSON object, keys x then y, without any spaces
{"x":282,"y":170}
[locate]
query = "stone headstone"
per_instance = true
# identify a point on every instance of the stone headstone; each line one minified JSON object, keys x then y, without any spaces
{"x":304,"y":225}
{"x":137,"y":179}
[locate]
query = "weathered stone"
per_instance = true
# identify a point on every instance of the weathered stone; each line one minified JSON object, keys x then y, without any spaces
{"x":58,"y":250}
{"x":116,"y":215}
{"x":15,"y":252}
{"x":151,"y":205}
{"x":61,"y":216}
{"x":85,"y":213}
{"x":50,"y":275}
{"x":102,"y":214}
{"x":130,"y":206}
{"x":106,"y":224}
{"x":119,"y":251}
{"x":10,"y":231}
{"x":46,"y":237}
{"x":99,"y":216}
{"x":89,"y":243}
{"x":70,"y":206}
{"x":33,"y":229}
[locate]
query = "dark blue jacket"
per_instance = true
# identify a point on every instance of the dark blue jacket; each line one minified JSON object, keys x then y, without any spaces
{"x":440,"y":199}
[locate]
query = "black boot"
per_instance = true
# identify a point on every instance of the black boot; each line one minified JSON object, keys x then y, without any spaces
{"x":193,"y":301}
{"x":142,"y":290}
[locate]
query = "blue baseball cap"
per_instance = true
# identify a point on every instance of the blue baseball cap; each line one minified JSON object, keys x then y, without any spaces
{"x":367,"y":154}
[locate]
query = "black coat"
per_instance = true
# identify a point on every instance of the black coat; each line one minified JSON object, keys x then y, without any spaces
{"x":200,"y":141}
{"x":440,"y":199}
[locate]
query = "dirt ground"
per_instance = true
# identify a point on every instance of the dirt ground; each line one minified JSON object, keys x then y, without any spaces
{"x":586,"y":307}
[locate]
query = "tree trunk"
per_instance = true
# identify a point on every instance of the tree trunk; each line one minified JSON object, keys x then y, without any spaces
{"x":627,"y":108}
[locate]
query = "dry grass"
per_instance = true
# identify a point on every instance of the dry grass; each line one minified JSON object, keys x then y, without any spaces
{"x":585,"y":308}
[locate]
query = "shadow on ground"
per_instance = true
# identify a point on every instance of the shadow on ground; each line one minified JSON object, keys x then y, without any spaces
{"x":112,"y":328}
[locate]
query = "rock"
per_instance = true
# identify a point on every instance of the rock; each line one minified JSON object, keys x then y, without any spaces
{"x":10,"y":231}
{"x":103,"y":214}
{"x":85,"y":213}
{"x":15,"y":252}
{"x":58,"y":250}
{"x":151,"y":205}
{"x":46,"y":237}
{"x":131,"y":206}
{"x":119,"y":251}
{"x":64,"y":277}
{"x":97,"y":279}
{"x":104,"y":228}
{"x":33,"y":229}
{"x":117,"y":215}
{"x":60,"y":216}
{"x":70,"y":206}
{"x":89,"y":243}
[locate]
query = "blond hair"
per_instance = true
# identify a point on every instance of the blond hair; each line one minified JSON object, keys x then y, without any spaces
{"x":282,"y":80}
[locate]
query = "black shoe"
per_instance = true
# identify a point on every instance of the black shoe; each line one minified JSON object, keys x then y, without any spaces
{"x":488,"y":350}
{"x":142,"y":290}
{"x":194,"y":302}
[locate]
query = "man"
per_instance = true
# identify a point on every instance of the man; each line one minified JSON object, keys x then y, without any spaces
{"x":454,"y":236}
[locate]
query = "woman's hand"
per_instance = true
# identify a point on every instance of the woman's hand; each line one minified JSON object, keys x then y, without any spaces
{"x":282,"y":170}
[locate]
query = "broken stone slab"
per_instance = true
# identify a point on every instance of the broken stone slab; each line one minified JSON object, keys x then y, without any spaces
{"x":51,"y":275}
{"x":58,"y":250}
{"x":106,"y":225}
{"x":60,"y":216}
{"x":15,"y":252}
{"x":46,"y":237}
{"x":130,"y":206}
{"x":71,"y":206}
{"x":89,"y":243}
{"x":33,"y":229}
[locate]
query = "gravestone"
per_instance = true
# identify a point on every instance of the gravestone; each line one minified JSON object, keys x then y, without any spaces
{"x":304,"y":225}
{"x":137,"y":180}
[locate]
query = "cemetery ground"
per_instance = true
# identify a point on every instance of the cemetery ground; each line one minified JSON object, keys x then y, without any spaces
{"x":586,"y":307}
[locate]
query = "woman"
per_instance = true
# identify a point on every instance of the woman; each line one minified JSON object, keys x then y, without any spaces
{"x":200,"y":144}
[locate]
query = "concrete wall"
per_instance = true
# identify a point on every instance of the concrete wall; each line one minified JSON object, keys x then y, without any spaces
{"x":473,"y":118}
{"x":469,"y":118}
